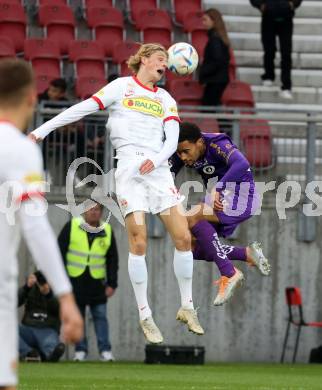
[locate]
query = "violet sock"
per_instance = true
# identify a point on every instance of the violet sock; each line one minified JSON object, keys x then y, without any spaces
{"x":235,"y":252}
{"x":208,"y":238}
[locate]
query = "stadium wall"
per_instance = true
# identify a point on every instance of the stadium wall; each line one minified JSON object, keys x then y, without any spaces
{"x":249,"y":328}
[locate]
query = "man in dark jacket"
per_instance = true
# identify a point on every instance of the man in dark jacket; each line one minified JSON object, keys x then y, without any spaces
{"x":40,"y":325}
{"x":277,"y":21}
{"x":89,"y":251}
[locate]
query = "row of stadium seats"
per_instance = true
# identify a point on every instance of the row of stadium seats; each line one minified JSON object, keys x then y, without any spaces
{"x":106,"y":23}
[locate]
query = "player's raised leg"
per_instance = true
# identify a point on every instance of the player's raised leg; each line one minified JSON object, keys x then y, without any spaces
{"x":207,"y":237}
{"x":252,"y":255}
{"x":177,"y":226}
{"x":136,"y":229}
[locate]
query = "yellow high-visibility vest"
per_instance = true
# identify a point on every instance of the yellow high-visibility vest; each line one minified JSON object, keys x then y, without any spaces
{"x":79,"y":255}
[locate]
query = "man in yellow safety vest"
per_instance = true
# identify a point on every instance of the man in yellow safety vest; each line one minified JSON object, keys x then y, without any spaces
{"x":91,"y":259}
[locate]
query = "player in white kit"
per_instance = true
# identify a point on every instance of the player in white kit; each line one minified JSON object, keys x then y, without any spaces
{"x":23,"y":208}
{"x":144,"y":129}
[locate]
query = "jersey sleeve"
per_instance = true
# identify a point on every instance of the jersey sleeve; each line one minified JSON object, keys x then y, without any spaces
{"x":171,"y":110}
{"x":25,"y":176}
{"x":109,"y":94}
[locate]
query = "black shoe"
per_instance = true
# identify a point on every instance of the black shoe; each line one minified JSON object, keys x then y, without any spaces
{"x":57,"y":353}
{"x":32,"y":356}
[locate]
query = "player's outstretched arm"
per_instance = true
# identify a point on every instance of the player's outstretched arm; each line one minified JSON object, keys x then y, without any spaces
{"x":72,"y":114}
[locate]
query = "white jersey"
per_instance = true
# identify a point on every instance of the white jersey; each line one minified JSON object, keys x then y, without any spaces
{"x":21,"y":180}
{"x":21,"y":174}
{"x":137,"y":115}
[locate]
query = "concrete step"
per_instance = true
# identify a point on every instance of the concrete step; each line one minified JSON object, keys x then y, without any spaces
{"x":251,"y":24}
{"x":300,"y":95}
{"x":301,"y":43}
{"x":308,"y":9}
{"x":300,"y":78}
{"x":289,"y":107}
{"x":295,"y":148}
{"x":300,"y":60}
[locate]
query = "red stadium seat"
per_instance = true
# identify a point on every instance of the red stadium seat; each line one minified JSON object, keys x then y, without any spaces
{"x":232,"y":66}
{"x":121,"y":52}
{"x":59,"y":23}
{"x":42,"y":82}
{"x":257,"y":141}
{"x":7,"y":48}
{"x":88,"y":57}
{"x":98,"y":3}
{"x":13,"y":23}
{"x":238,"y":94}
{"x":87,"y":86}
{"x":192,"y":24}
{"x":50,"y":2}
{"x":44,"y":55}
{"x":294,"y":300}
{"x":137,"y":6}
{"x":206,"y":125}
{"x":180,"y":8}
{"x":209,"y":125}
{"x":155,"y":26}
{"x":107,"y":26}
{"x":186,"y":92}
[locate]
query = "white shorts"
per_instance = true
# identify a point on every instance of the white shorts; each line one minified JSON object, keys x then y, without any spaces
{"x":8,"y":323}
{"x":153,"y":192}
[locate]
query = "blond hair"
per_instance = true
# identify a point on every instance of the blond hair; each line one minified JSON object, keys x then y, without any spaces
{"x":146,"y":50}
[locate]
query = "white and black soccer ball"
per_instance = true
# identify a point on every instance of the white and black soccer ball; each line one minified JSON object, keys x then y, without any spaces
{"x":183,"y":58}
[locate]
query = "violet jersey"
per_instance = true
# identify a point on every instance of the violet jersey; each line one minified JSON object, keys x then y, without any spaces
{"x":224,"y":168}
{"x":222,"y":160}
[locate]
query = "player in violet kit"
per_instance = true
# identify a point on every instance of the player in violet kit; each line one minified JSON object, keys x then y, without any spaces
{"x":231,"y":199}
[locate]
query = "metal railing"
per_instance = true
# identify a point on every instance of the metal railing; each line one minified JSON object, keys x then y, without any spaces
{"x":280,"y":145}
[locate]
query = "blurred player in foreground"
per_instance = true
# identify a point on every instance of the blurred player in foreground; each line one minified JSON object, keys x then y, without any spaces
{"x":23,"y":208}
{"x":144,"y":129}
{"x":229,"y":201}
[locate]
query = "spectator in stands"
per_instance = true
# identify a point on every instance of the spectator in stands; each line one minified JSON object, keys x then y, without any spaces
{"x":214,"y":68}
{"x":56,"y":92}
{"x":277,"y":21}
{"x":89,"y":250}
{"x":40,"y":325}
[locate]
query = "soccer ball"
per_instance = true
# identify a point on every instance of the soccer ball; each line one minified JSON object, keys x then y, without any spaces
{"x":183,"y":58}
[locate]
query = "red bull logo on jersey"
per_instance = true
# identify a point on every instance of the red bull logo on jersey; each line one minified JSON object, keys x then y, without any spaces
{"x":144,"y":105}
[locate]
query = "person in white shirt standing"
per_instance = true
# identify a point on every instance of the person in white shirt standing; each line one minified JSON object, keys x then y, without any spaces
{"x":144,"y":129}
{"x":23,"y":208}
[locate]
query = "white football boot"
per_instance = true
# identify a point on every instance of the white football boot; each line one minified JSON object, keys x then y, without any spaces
{"x":258,"y":259}
{"x":189,"y":317}
{"x":151,"y":331}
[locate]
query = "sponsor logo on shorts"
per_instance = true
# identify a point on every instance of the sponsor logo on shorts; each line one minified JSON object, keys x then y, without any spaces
{"x":123,"y":203}
{"x":144,"y":105}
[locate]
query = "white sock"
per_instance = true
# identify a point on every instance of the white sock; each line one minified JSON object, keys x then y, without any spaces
{"x":183,"y":268}
{"x":139,"y":277}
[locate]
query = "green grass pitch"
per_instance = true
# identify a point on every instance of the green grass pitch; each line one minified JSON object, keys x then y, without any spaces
{"x":139,"y":376}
